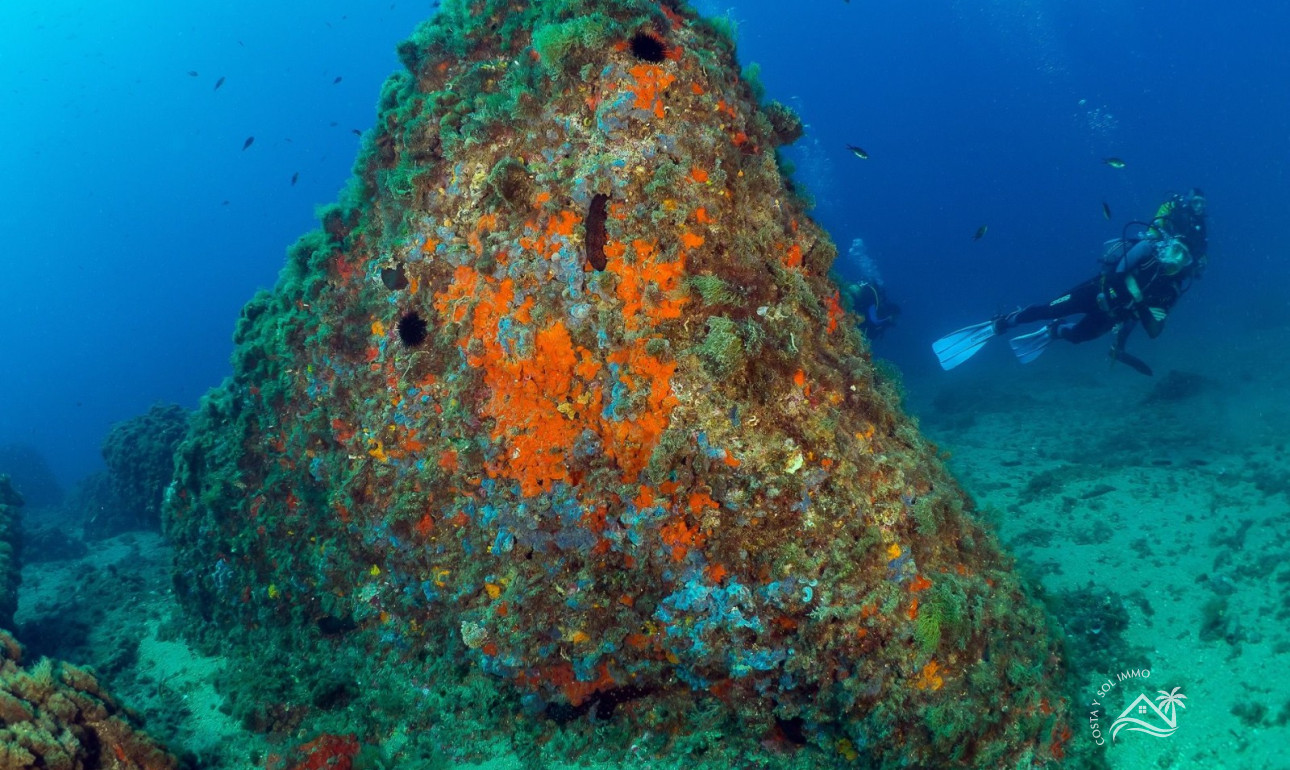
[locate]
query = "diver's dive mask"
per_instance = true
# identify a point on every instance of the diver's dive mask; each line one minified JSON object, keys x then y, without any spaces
{"x":1194,"y":200}
{"x":1173,"y":255}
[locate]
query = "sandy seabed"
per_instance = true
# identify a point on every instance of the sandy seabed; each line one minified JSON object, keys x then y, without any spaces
{"x":1167,"y":498}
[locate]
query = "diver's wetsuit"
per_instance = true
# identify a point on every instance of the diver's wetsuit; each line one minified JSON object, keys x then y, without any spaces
{"x":1110,"y":299}
{"x":1080,"y":300}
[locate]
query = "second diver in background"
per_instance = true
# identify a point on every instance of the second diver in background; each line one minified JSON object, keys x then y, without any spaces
{"x":869,"y":300}
{"x":1141,"y":281}
{"x":867,"y":294}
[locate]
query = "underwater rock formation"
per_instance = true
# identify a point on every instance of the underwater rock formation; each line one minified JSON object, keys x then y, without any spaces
{"x":55,"y":716}
{"x":140,"y":456}
{"x":10,"y":551}
{"x":562,"y":398}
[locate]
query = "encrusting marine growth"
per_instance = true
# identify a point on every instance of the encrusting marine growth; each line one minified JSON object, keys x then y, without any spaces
{"x":557,"y":429}
{"x":56,"y":716}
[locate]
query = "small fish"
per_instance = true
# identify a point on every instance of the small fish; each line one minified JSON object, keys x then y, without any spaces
{"x":250,"y":140}
{"x":192,"y":73}
{"x":355,"y":132}
{"x":1114,"y":162}
{"x":294,"y":178}
{"x":1106,"y":210}
{"x":218,"y":83}
{"x":337,"y":80}
{"x":980,"y":232}
{"x":858,"y":152}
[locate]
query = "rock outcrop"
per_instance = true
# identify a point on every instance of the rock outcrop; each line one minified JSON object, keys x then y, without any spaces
{"x":140,"y":456}
{"x":10,"y":551}
{"x":561,"y":398}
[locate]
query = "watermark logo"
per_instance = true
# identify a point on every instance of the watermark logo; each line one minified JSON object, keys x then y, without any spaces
{"x":1156,"y":716}
{"x":1144,"y":716}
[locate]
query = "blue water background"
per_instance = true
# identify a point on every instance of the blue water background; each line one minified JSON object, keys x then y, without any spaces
{"x":136,"y":226}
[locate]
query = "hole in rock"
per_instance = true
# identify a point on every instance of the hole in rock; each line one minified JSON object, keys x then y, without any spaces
{"x":394,"y":278}
{"x":596,"y":238}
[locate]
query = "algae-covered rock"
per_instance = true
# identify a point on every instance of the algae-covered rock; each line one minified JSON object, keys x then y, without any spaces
{"x":140,"y":456}
{"x":560,"y":410}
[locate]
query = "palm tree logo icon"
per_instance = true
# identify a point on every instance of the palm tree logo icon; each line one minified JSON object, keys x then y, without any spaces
{"x":1168,"y":701}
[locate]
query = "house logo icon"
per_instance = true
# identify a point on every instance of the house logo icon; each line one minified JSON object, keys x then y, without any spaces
{"x":1158,"y":718}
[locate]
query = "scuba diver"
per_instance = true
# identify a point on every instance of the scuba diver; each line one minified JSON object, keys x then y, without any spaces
{"x":1141,"y":280}
{"x":867,"y":296}
{"x":877,"y":313}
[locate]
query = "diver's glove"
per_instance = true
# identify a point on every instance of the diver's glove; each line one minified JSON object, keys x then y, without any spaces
{"x":1002,"y":323}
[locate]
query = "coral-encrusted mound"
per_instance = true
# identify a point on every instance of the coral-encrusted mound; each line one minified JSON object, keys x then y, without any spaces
{"x":55,"y":716}
{"x":561,"y":393}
